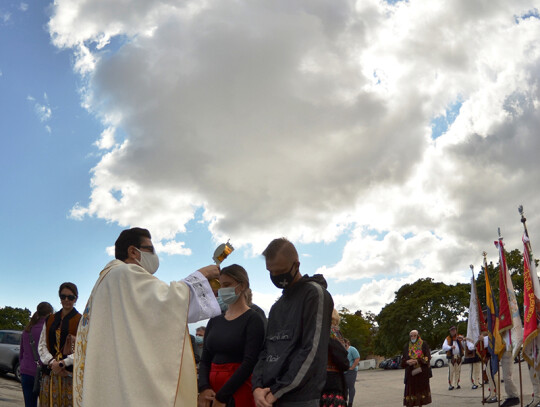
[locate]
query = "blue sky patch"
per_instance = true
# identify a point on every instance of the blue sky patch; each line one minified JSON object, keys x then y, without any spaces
{"x":440,"y":124}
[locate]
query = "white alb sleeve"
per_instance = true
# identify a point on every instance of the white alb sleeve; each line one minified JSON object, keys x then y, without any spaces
{"x":43,"y":351}
{"x":202,"y":302}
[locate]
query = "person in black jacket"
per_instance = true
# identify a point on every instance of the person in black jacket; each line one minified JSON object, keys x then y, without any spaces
{"x":292,"y":366}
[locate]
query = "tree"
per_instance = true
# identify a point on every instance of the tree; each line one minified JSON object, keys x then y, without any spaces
{"x":358,"y":330}
{"x":431,"y":308}
{"x":14,"y":318}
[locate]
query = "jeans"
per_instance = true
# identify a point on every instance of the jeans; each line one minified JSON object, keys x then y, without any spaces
{"x":350,"y":378}
{"x":27,"y":383}
{"x":310,"y":403}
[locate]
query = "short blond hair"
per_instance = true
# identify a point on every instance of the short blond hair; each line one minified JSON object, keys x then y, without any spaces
{"x":335,"y":317}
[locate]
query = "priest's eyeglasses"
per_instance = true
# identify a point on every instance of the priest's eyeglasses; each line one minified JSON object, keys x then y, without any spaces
{"x":69,"y":297}
{"x":149,"y":248}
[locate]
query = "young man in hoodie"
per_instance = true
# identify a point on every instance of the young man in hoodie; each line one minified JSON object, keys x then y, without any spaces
{"x":291,"y":370}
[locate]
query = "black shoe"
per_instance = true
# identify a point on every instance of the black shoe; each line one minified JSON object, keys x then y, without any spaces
{"x":511,"y":401}
{"x":474,"y":386}
{"x":458,"y":387}
{"x":451,"y":388}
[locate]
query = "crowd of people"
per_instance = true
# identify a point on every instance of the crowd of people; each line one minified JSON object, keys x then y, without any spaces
{"x":131,"y":345}
{"x":461,"y":351}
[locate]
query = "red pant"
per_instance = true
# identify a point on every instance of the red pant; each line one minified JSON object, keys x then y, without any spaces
{"x":219,"y":374}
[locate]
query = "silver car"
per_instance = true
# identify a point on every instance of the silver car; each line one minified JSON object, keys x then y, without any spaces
{"x":10,"y":344}
{"x":438,"y":358}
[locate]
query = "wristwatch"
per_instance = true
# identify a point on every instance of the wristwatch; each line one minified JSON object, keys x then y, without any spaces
{"x":61,"y":364}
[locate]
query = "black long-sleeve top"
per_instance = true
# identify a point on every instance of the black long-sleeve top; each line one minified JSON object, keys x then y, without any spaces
{"x":236,"y":341}
{"x":295,"y":355}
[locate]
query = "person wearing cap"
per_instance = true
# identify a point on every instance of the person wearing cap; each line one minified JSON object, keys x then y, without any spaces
{"x":416,"y":361}
{"x":454,"y":352}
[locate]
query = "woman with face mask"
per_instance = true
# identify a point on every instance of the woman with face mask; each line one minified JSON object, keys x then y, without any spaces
{"x":415,"y":360}
{"x":56,"y":348}
{"x":232,"y":342}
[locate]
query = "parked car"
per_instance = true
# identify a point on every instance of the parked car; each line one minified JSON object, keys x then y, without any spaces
{"x":438,"y":358}
{"x":10,"y":343}
{"x":384,"y":363}
{"x":394,"y":363}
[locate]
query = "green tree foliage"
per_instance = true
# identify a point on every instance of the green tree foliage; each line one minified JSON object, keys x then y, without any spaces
{"x":14,"y":318}
{"x":429,"y":307}
{"x":359,"y":330}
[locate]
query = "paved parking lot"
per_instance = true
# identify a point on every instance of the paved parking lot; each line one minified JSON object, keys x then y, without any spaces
{"x":381,"y":388}
{"x":384,"y":388}
{"x":10,"y":391}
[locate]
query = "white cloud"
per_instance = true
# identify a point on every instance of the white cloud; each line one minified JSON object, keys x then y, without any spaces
{"x":170,"y":247}
{"x":107,"y":140}
{"x":43,"y":110}
{"x":373,"y":296}
{"x":310,"y":120}
{"x":173,"y":247}
{"x":23,"y":7}
{"x":5,"y":17}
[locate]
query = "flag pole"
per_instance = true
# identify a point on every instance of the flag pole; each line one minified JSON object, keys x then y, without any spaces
{"x":481,"y":359}
{"x":498,"y":359}
{"x":498,"y":378}
{"x":524,"y":220}
{"x":528,"y":243}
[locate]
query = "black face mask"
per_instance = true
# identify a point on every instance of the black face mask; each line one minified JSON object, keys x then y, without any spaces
{"x":284,"y":280}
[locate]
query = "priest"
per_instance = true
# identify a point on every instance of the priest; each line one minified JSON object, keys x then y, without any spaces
{"x":133,"y":346}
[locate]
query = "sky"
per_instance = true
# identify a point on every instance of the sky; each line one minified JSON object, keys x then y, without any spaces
{"x":388,"y":140}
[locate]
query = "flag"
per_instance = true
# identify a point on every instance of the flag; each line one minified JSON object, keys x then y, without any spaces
{"x":510,"y":321}
{"x":475,"y":313}
{"x":531,"y":308}
{"x":505,"y":317}
{"x":494,"y":338}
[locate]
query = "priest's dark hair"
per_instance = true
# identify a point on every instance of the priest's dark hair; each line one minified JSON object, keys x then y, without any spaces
{"x":129,"y":237}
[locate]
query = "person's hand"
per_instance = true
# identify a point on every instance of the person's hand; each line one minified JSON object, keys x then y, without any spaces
{"x":205,"y":398}
{"x":217,"y":403}
{"x":270,"y":398}
{"x":210,"y":272}
{"x":55,"y":367}
{"x":259,"y":394}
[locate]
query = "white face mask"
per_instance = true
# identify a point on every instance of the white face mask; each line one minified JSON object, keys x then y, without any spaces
{"x":149,"y":261}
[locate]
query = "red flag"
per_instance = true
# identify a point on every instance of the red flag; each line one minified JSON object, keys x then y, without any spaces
{"x":531,"y":302}
{"x":510,"y":327}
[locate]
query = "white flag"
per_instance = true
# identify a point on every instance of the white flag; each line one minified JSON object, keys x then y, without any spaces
{"x":473,"y":326}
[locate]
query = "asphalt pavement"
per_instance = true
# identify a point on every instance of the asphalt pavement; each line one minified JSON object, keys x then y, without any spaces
{"x":384,"y":388}
{"x":380,"y":388}
{"x":10,"y":391}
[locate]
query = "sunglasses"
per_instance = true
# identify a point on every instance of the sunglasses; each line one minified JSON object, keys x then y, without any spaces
{"x":69,"y":297}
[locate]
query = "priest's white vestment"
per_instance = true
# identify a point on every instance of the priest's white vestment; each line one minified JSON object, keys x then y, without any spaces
{"x":133,"y":346}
